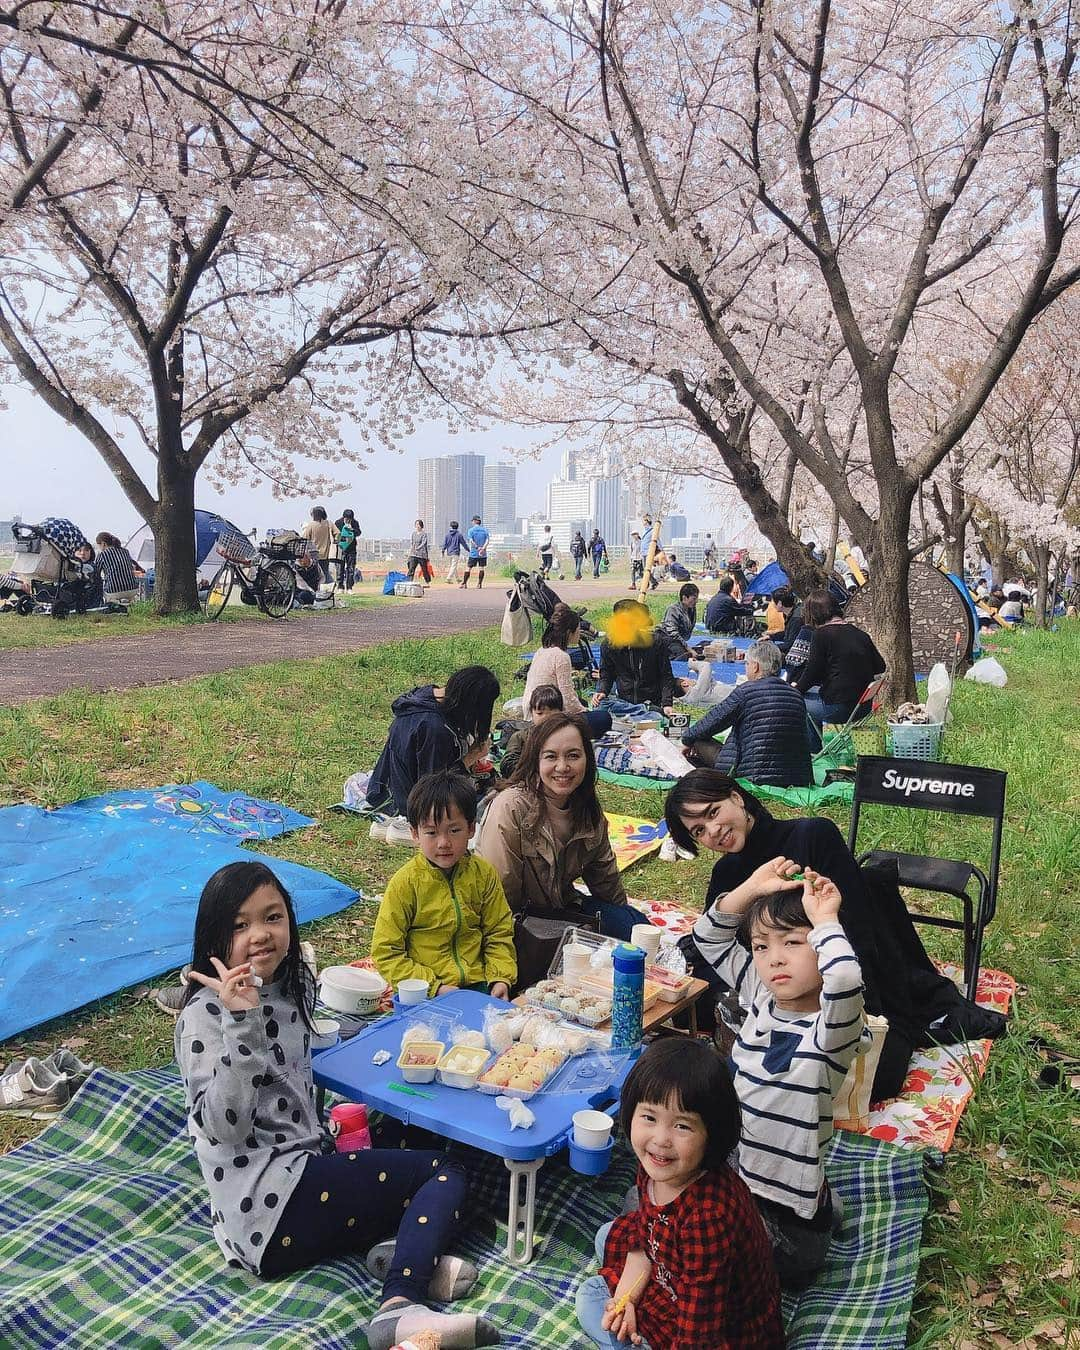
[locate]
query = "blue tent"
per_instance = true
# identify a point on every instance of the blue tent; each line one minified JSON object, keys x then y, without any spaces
{"x":208,"y":526}
{"x":767,"y":580}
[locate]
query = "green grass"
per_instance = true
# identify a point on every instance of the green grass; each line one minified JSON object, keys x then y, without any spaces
{"x":1003,"y":1225}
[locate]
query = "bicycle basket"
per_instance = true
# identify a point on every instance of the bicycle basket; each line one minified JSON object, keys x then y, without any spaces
{"x":235,"y":547}
{"x":284,"y":549}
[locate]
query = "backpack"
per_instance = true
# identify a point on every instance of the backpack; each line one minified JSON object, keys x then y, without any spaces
{"x":346,"y":537}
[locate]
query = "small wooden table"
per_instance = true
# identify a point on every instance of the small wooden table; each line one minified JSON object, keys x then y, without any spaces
{"x":660,"y":1012}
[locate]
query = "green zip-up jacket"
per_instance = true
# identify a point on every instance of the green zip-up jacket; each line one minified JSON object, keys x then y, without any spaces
{"x":445,"y":928}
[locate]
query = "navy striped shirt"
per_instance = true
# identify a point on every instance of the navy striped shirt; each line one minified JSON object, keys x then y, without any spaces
{"x":115,"y":568}
{"x":787,"y":1111}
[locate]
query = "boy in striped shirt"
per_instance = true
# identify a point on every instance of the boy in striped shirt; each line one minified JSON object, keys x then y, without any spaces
{"x":777,"y":942}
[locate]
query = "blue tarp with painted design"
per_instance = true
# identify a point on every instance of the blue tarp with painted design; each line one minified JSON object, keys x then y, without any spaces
{"x":101,"y":894}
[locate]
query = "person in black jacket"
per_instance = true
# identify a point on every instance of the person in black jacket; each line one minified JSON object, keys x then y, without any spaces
{"x":842,"y":662}
{"x":723,"y":609}
{"x":791,"y":608}
{"x":769,"y":741}
{"x":634,"y":660}
{"x":434,"y":728}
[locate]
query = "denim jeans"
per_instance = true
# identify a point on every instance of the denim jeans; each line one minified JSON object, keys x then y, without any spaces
{"x":577,"y":568}
{"x":619,"y":707}
{"x":820,"y":712}
{"x":593,"y":1297}
{"x":615,"y":920}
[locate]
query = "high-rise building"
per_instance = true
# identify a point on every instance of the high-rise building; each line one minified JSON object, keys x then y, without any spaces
{"x":500,"y":497}
{"x":588,"y":494}
{"x":450,"y":488}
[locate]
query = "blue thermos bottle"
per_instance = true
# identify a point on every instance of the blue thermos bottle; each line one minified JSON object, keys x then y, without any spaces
{"x":628,"y":997}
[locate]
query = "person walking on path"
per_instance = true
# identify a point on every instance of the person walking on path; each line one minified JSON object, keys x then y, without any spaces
{"x":477,"y":536}
{"x":348,"y":534}
{"x":419,"y":547}
{"x":452,"y":545}
{"x":598,"y":549}
{"x":545,"y":551}
{"x":322,"y":534}
{"x":577,"y":552}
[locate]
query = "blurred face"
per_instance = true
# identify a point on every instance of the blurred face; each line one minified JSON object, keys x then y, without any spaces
{"x":787,"y":965}
{"x":444,"y":844}
{"x":562,"y":764}
{"x":670,"y":1144}
{"x":721,"y":826}
{"x":261,"y":932}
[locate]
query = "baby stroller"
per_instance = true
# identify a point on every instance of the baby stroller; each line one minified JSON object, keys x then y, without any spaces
{"x":537,"y":598}
{"x":47,"y":577}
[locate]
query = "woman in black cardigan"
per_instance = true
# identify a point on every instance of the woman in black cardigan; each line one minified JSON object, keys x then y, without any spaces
{"x":707,"y":809}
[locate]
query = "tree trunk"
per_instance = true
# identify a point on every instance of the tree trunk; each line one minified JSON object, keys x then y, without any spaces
{"x":173,"y":523}
{"x":834,"y":536}
{"x":1041,"y":556}
{"x":890,"y":579}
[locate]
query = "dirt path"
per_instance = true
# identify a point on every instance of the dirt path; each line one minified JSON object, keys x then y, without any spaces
{"x":181,"y":653}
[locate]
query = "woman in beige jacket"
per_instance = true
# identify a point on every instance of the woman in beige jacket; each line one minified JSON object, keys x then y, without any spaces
{"x":545,"y":830}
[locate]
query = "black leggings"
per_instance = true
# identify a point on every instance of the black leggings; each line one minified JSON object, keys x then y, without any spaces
{"x":346,"y":1202}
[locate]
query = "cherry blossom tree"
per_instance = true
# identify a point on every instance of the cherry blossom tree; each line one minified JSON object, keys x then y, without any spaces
{"x":770,"y":209}
{"x":226,"y":229}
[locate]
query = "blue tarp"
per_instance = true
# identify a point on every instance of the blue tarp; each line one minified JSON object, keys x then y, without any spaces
{"x":771,"y":576}
{"x":102,"y":893}
{"x":392,"y":579}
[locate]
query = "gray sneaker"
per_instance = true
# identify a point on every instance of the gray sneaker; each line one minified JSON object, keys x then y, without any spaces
{"x":68,"y":1063}
{"x":33,"y":1090}
{"x":170,"y":998}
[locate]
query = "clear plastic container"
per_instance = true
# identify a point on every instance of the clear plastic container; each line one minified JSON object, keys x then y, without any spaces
{"x":426,"y":1051}
{"x":462,"y":1065}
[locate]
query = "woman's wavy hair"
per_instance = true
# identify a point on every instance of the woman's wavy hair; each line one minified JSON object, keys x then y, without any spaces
{"x":698,"y":788}
{"x":584,"y":803}
{"x":562,"y":623}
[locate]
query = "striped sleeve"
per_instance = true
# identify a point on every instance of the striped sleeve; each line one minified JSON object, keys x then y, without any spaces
{"x":838,"y":1029}
{"x":714,"y":934}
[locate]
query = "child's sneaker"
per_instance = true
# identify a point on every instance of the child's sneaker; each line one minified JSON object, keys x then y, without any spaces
{"x":307,"y":955}
{"x":378,"y":827}
{"x":33,"y":1090}
{"x":170,"y":998}
{"x":66,"y":1063}
{"x":399,"y":832}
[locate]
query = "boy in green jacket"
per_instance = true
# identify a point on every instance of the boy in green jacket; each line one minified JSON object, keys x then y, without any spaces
{"x":444,"y":916}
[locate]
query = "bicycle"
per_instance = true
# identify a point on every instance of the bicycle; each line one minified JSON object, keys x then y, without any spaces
{"x":271,"y":586}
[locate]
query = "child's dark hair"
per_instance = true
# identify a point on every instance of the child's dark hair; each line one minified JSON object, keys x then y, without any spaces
{"x":545,"y":698}
{"x":686,"y":1075}
{"x":436,"y":794}
{"x":698,"y":788}
{"x":221,"y":900}
{"x":468,"y":699}
{"x":780,"y":909}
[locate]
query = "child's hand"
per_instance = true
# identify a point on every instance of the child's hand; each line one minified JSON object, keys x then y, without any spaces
{"x":446,"y":989}
{"x":500,"y":989}
{"x":234,"y":987}
{"x":622,"y":1325}
{"x":821,"y":899}
{"x":774,"y":875}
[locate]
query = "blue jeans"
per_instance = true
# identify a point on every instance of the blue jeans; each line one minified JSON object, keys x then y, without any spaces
{"x":577,"y":568}
{"x":820,"y":712}
{"x":619,"y":707}
{"x":615,"y":920}
{"x":593,"y":1297}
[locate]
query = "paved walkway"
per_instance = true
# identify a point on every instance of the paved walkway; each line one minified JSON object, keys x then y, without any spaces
{"x":202,"y":649}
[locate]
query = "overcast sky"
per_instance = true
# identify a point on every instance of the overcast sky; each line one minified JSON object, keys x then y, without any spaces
{"x":48,"y":469}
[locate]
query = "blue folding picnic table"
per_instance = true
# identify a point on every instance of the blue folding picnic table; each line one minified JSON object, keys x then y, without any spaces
{"x":467,"y":1115}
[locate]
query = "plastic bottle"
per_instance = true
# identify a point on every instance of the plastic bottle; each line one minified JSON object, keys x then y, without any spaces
{"x":628,"y":996}
{"x":353,"y":1132}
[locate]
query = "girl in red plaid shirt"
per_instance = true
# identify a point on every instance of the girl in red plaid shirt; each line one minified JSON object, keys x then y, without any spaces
{"x":691,"y":1268}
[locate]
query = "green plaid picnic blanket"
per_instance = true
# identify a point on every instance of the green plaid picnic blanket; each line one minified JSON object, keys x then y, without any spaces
{"x":105,"y":1242}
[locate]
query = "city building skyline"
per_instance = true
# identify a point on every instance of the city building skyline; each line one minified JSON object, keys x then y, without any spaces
{"x":500,"y":498}
{"x":449,"y":487}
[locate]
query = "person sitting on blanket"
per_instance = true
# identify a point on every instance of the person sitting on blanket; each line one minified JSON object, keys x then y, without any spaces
{"x":544,"y":700}
{"x":277,"y":1203}
{"x":444,"y":916}
{"x":634,"y":661}
{"x":723,"y":610}
{"x":434,"y":728}
{"x":544,"y":830}
{"x":770,"y":739}
{"x":776,"y":940}
{"x":552,"y":665}
{"x":677,"y":626}
{"x":689,"y":1266}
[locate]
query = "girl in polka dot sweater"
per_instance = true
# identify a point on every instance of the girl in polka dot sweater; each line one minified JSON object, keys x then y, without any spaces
{"x":277,"y":1203}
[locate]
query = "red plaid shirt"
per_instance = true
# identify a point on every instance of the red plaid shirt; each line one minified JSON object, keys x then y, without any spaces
{"x":713,"y":1284}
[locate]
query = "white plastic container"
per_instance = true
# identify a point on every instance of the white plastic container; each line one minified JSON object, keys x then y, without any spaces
{"x":412,"y":991}
{"x":351,"y":989}
{"x":462,"y":1065}
{"x":413,"y":590}
{"x":420,"y":1073}
{"x":647,"y":937}
{"x":326,"y":1032}
{"x":592,"y":1129}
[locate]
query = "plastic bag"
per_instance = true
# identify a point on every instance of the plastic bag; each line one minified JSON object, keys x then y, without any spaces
{"x":418,"y":1031}
{"x":520,"y":1115}
{"x":938,"y":688}
{"x":665,"y":754}
{"x":354,"y":794}
{"x":468,"y":1036}
{"x":988,"y":671}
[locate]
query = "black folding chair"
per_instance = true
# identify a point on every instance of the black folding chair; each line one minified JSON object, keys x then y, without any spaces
{"x":961,"y":789}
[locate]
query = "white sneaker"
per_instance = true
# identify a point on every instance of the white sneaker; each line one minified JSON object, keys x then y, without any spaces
{"x":398,"y":832}
{"x":307,"y":955}
{"x":669,"y":851}
{"x":34,"y":1090}
{"x":378,"y":828}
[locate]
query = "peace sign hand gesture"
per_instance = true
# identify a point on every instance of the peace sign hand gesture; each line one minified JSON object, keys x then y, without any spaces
{"x":236,"y":987}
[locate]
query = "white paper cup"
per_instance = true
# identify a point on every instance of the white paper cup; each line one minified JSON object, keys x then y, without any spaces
{"x":575,"y":960}
{"x":412,"y":991}
{"x":592,"y":1129}
{"x":326,"y":1032}
{"x":646,"y":936}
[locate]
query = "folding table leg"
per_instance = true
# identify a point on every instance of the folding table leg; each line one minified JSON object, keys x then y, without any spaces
{"x":519,"y":1221}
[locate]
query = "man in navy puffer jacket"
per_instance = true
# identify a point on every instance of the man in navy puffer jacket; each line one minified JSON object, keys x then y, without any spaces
{"x":770,"y":739}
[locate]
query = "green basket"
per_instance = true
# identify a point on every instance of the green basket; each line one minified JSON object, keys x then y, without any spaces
{"x":910,"y":740}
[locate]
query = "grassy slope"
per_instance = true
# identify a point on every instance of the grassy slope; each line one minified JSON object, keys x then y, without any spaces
{"x":1003,"y":1226}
